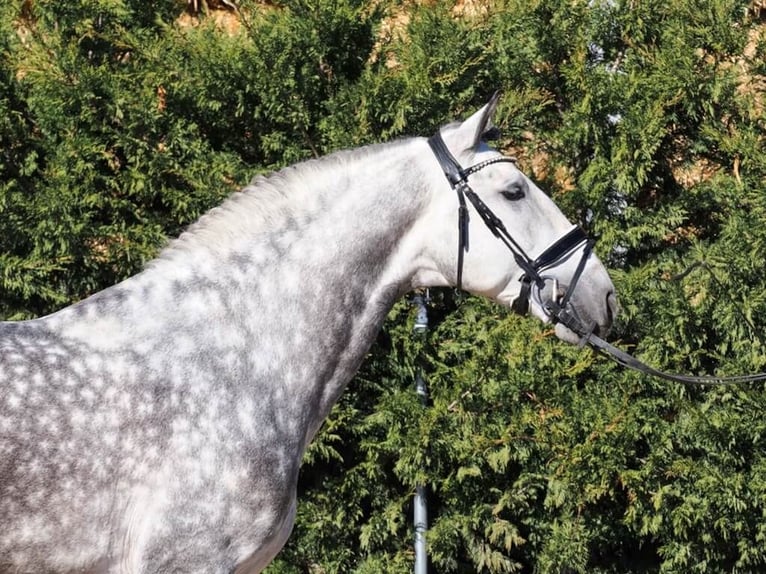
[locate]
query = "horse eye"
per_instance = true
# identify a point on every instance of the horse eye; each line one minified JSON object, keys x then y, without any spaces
{"x":514,"y":193}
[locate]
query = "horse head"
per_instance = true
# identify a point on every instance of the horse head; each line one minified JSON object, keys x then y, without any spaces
{"x":502,"y":237}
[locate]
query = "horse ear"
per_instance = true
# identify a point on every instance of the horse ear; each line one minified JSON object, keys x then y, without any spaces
{"x":479,"y":126}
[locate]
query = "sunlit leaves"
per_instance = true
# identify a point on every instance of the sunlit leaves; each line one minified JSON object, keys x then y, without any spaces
{"x":643,"y":120}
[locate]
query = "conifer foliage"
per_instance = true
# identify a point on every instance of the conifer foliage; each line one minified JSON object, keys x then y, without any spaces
{"x":121,"y":121}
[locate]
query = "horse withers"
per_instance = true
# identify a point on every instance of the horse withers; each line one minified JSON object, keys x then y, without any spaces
{"x":158,"y":425}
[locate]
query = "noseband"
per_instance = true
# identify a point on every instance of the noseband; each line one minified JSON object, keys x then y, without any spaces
{"x":557,"y":309}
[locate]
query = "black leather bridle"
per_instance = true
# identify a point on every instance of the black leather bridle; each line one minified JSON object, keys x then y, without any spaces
{"x":557,"y":308}
{"x":556,"y":254}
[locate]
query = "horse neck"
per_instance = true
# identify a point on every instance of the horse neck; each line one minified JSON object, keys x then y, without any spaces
{"x":294,"y":296}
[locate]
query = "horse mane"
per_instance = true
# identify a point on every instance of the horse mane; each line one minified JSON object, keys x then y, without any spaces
{"x":267,"y":201}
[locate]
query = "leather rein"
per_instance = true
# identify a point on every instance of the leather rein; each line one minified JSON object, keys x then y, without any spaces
{"x":559,"y":310}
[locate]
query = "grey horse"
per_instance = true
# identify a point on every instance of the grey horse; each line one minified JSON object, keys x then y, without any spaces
{"x":159,"y":425}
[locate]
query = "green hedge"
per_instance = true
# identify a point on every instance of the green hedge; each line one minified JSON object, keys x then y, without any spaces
{"x":644,"y":120}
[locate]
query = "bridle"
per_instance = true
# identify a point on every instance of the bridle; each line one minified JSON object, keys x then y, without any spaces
{"x":532,"y":280}
{"x":557,"y":307}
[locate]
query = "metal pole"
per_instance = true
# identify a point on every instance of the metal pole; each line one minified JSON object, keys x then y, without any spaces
{"x":420,"y":517}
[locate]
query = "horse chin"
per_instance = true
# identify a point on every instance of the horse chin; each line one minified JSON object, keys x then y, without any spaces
{"x":567,"y":335}
{"x":562,"y":332}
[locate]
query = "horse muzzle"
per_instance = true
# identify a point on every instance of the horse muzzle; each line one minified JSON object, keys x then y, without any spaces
{"x":591,"y":311}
